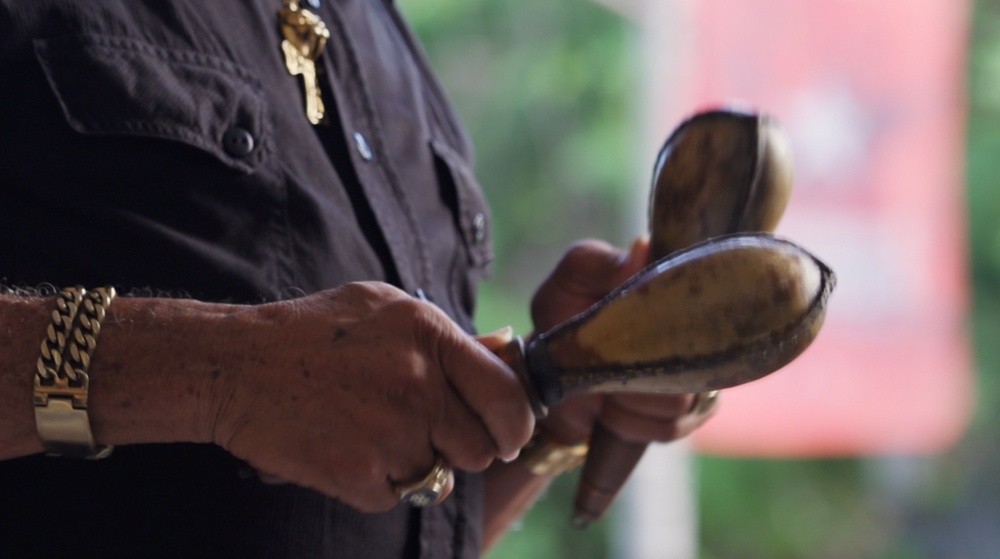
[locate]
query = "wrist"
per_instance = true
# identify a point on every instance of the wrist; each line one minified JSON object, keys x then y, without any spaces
{"x":158,"y":371}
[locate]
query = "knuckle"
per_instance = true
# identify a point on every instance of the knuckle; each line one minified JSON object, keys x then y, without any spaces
{"x":426,"y":316}
{"x":415,"y":376}
{"x":371,"y":291}
{"x":366,"y":295}
{"x":419,"y":317}
{"x":357,"y":289}
{"x":411,"y":310}
{"x":475,"y":460}
{"x":586,"y":253}
{"x":584,"y":248}
{"x":643,"y":429}
{"x":527,"y":428}
{"x":516,"y":424}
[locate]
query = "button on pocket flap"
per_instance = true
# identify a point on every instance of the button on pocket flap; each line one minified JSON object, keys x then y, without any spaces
{"x":472,"y":212}
{"x":114,"y":85}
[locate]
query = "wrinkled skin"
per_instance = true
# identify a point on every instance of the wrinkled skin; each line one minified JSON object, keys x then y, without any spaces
{"x":388,"y":383}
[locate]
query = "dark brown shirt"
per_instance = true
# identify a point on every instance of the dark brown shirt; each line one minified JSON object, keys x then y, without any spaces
{"x":164,"y":145}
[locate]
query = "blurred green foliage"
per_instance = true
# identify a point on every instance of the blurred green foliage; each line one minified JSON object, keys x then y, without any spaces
{"x":546,"y":90}
{"x":984,"y":197}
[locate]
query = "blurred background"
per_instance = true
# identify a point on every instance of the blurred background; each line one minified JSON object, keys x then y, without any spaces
{"x":880,"y":442}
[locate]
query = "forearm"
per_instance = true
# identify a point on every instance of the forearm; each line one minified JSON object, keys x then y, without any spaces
{"x":22,"y":324}
{"x":276,"y":384}
{"x":511,"y":490}
{"x":151,"y":374}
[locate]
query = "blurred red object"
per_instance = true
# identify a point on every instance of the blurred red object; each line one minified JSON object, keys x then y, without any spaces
{"x":872,"y":96}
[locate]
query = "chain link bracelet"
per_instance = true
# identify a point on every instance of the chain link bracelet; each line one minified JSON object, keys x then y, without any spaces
{"x":62,"y":382}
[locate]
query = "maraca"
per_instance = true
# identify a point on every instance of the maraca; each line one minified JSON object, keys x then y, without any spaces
{"x":719,"y":172}
{"x":719,"y":314}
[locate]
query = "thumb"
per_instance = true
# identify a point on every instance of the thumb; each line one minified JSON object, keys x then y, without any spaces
{"x":637,"y":258}
{"x":497,"y":339}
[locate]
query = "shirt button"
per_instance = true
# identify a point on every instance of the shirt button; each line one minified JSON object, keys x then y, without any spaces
{"x":238,"y":142}
{"x":363,"y":148}
{"x":479,"y":227}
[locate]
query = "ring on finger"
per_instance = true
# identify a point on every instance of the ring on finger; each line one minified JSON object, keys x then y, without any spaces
{"x":430,"y":489}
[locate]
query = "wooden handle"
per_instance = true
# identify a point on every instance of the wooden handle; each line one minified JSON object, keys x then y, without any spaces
{"x":610,"y":461}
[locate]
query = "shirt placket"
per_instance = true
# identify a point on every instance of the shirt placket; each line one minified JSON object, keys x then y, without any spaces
{"x":372,"y":163}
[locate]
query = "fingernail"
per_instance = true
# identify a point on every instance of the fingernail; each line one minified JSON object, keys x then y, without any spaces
{"x":506,"y":334}
{"x":639,"y":245}
{"x":511,"y":457}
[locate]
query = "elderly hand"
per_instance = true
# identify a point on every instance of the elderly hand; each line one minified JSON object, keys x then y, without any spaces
{"x":354,"y":390}
{"x":589,"y":271}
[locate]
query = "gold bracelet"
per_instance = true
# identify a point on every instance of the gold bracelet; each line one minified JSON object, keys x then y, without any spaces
{"x":547,"y":458}
{"x":62,"y":381}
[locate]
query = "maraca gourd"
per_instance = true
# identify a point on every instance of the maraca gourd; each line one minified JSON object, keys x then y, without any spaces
{"x":719,"y":172}
{"x":722,"y":313}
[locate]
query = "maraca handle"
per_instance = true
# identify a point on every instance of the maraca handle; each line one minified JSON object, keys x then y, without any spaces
{"x":610,"y":461}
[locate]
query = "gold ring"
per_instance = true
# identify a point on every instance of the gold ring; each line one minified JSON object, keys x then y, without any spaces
{"x":428,"y":490}
{"x":704,"y":402}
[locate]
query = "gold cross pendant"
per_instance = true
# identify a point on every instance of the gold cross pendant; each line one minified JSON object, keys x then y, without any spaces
{"x":305,"y":37}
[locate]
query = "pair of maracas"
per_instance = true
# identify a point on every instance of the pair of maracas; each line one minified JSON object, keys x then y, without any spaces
{"x":722,"y":304}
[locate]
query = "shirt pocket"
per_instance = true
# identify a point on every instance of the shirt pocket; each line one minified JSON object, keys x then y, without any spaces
{"x":109,"y":85}
{"x":472,"y":213}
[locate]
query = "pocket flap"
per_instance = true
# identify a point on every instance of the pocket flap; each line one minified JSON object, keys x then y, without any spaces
{"x":116,"y":85}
